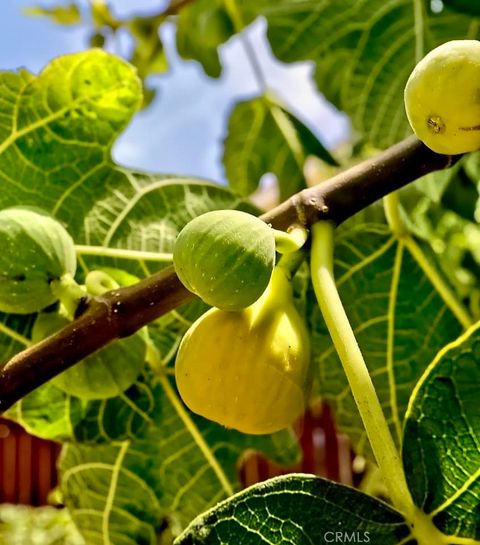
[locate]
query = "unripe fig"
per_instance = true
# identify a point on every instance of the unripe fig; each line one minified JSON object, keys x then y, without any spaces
{"x":248,"y":370}
{"x":226,"y":257}
{"x":442,"y":98}
{"x":106,"y":373}
{"x":36,"y":250}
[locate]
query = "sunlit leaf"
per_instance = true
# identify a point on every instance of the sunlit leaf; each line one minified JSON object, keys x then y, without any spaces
{"x":441,"y":449}
{"x":263,"y":137}
{"x":298,"y":510}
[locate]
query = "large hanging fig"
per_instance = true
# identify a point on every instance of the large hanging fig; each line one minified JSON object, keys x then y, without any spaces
{"x":35,"y":251}
{"x":248,"y":370}
{"x":442,"y":98}
{"x":226,"y":257}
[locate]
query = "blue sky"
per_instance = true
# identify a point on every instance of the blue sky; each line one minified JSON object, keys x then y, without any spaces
{"x":183,"y":129}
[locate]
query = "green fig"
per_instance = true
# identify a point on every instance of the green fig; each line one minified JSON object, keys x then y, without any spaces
{"x":226,"y":257}
{"x":36,"y":250}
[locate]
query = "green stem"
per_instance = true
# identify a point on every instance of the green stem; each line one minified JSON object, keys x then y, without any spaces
{"x":102,"y":251}
{"x":291,"y":262}
{"x":291,"y":240}
{"x":277,"y":294}
{"x":391,"y":204}
{"x":69,"y":293}
{"x":14,"y":335}
{"x":363,"y":390}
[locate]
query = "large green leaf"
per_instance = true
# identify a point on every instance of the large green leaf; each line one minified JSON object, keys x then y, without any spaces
{"x":145,"y":213}
{"x":441,"y":448}
{"x":202,"y":27}
{"x":121,"y":492}
{"x":52,"y":414}
{"x":364,"y":51}
{"x":298,"y":510}
{"x":111,"y":491}
{"x":263,"y":137}
{"x":57,"y":130}
{"x":400,"y":315}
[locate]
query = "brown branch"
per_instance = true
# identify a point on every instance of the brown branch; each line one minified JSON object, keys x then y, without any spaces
{"x":345,"y":194}
{"x":114,"y":315}
{"x":121,"y":312}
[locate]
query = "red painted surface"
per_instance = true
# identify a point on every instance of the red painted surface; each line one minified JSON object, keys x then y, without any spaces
{"x":324,"y":452}
{"x":28,"y":464}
